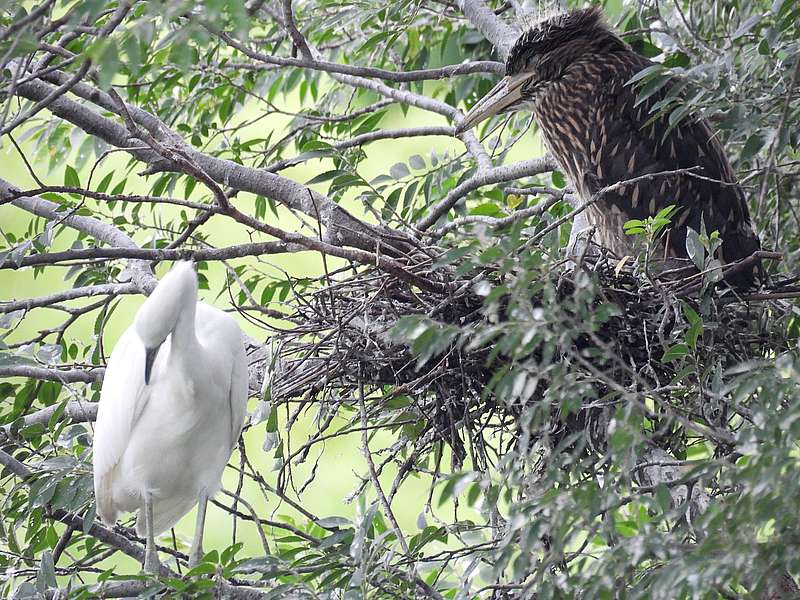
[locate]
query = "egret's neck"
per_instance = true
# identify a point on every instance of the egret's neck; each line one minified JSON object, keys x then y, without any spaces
{"x":183,"y":336}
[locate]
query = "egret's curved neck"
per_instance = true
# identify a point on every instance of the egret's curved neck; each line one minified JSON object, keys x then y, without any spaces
{"x":183,"y":335}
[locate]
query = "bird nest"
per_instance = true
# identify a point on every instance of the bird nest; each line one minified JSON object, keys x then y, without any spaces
{"x":462,"y":366}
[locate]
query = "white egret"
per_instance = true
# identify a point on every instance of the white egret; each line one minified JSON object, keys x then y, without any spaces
{"x":171,"y":409}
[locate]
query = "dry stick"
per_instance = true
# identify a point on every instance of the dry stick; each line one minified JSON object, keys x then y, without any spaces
{"x":119,"y":14}
{"x":493,"y":29}
{"x":37,"y":12}
{"x":401,"y":95}
{"x":140,"y":271}
{"x":239,"y":500}
{"x":107,"y":197}
{"x":48,"y":100}
{"x":288,"y":22}
{"x":340,"y":224}
{"x":181,"y":160}
{"x":365,"y":451}
{"x":730,"y":269}
{"x":776,"y":140}
{"x":184,"y":163}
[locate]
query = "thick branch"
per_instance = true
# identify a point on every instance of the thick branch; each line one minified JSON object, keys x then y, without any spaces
{"x":490,"y":25}
{"x":342,"y":229}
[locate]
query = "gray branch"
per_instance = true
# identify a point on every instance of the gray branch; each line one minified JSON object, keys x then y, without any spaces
{"x":467,"y":68}
{"x":494,"y":29}
{"x":486,"y":177}
{"x":153,"y":254}
{"x":108,"y":289}
{"x":61,"y":375}
{"x":342,"y":229}
{"x":139,"y":270}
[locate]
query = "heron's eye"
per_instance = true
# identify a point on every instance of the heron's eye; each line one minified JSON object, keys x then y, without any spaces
{"x":529,"y":88}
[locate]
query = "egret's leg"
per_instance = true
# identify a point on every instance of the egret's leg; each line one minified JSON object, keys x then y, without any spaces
{"x":151,"y":563}
{"x":197,"y":544}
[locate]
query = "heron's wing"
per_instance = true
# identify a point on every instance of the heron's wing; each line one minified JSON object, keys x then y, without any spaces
{"x":628,"y":142}
{"x":122,"y":399}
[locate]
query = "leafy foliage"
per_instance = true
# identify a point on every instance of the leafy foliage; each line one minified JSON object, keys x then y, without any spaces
{"x":599,"y":433}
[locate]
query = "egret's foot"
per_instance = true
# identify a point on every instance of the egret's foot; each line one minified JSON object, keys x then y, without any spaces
{"x":195,"y":557}
{"x":151,"y":562}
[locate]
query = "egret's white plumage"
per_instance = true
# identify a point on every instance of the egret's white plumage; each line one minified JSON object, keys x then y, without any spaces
{"x":166,"y":438}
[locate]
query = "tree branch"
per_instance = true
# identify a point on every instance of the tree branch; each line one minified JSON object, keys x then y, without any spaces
{"x":486,"y":177}
{"x":61,"y":375}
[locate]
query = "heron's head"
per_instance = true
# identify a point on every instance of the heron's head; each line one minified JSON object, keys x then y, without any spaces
{"x":539,"y":58}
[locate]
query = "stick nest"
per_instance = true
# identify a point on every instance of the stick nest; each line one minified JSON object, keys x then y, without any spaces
{"x":436,"y":368}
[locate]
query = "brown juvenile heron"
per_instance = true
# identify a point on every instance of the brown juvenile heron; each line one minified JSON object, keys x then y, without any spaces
{"x":571,"y":71}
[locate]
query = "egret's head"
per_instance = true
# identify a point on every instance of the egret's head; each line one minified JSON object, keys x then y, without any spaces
{"x":161,"y":312}
{"x":539,"y":58}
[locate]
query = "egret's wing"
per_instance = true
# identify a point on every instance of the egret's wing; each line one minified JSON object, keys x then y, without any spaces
{"x":122,"y":399}
{"x":238,"y":392}
{"x":221,"y":336}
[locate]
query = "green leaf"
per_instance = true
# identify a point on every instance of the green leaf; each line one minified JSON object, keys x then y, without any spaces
{"x":664,"y":497}
{"x":204,"y":568}
{"x":105,"y":182}
{"x":674,"y":353}
{"x":272,"y":421}
{"x":695,"y":249}
{"x":634,"y":226}
{"x":651,"y":87}
{"x":46,"y":577}
{"x":488,"y":210}
{"x":327,"y":175}
{"x":108,"y":63}
{"x":416,"y":162}
{"x":71,"y":178}
{"x":752,"y":146}
{"x":399,"y":171}
{"x":647,"y":72}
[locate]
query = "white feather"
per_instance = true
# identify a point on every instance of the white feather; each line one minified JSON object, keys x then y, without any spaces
{"x":173,"y":437}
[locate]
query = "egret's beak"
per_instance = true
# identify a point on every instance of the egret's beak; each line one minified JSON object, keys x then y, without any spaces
{"x":502,"y":96}
{"x":149,"y":359}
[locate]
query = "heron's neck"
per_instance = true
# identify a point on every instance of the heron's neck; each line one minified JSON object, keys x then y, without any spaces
{"x":183,"y":336}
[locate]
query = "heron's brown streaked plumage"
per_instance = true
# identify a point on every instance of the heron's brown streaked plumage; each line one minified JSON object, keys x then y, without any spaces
{"x":571,"y":71}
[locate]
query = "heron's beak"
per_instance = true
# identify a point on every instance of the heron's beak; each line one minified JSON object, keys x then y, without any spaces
{"x":149,"y":359}
{"x":505,"y":94}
